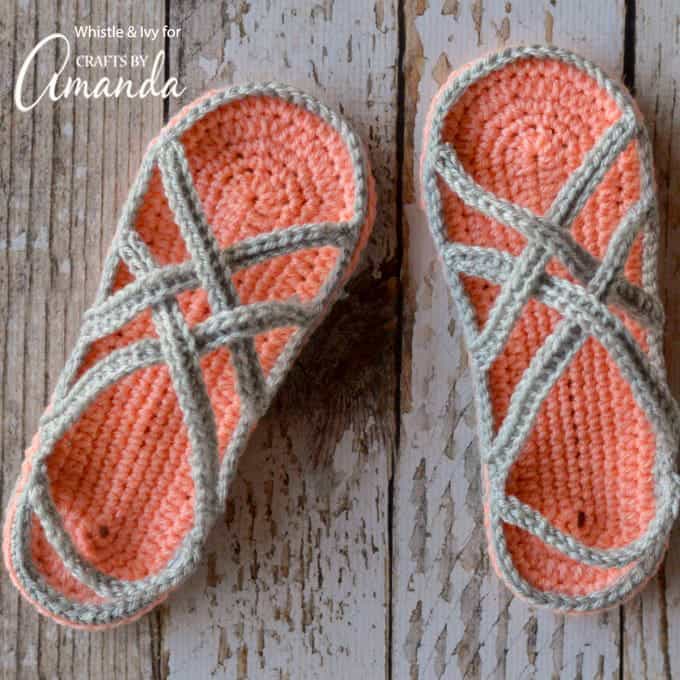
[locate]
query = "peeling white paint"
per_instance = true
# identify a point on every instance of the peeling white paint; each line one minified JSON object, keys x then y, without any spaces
{"x":209,"y":66}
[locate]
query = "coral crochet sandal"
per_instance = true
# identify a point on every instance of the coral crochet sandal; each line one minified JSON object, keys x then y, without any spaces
{"x":245,"y":220}
{"x":538,"y":184}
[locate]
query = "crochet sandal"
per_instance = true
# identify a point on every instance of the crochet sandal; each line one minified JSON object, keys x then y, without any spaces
{"x":538,"y":185}
{"x":246,"y":218}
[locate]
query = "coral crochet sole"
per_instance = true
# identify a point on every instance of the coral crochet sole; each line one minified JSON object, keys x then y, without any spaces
{"x":248,"y":214}
{"x":538,"y":185}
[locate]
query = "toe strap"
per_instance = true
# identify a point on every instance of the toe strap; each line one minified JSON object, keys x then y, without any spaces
{"x":511,"y":510}
{"x":106,"y":586}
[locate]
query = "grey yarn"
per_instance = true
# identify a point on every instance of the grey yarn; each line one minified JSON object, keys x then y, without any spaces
{"x":179,"y":347}
{"x":585,"y":313}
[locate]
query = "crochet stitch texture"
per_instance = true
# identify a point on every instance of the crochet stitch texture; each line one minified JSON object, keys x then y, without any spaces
{"x":538,"y":184}
{"x":248,"y":213}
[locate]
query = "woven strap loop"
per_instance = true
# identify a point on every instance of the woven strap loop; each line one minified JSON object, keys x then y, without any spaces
{"x":231,"y":324}
{"x":585,"y":314}
{"x":179,"y":347}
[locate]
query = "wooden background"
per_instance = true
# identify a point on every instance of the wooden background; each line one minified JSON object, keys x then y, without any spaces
{"x":353,"y":544}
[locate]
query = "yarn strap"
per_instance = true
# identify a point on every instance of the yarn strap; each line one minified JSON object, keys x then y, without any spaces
{"x":231,"y":325}
{"x":585,"y":313}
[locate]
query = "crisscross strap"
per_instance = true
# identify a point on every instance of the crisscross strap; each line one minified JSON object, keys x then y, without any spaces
{"x":584,"y":310}
{"x":179,"y":347}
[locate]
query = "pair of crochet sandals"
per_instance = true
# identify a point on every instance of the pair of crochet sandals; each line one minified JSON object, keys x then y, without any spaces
{"x":249,"y":213}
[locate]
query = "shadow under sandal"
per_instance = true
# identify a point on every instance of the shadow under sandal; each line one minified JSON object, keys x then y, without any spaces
{"x":245,"y":220}
{"x":538,"y":184}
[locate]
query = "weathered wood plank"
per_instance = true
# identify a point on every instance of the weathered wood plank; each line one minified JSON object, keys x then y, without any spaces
{"x":18,"y":649}
{"x":66,"y":168}
{"x":296,"y":582}
{"x":652,"y":620}
{"x":452,"y":617}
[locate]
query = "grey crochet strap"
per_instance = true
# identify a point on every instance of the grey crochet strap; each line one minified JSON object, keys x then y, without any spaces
{"x":584,"y":310}
{"x":170,"y":280}
{"x":176,"y":345}
{"x":202,"y":246}
{"x":231,"y":325}
{"x":533,"y":260}
{"x":568,"y":338}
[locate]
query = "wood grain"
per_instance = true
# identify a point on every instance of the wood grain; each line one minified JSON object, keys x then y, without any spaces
{"x":66,"y":168}
{"x":452,"y":616}
{"x":652,"y":620}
